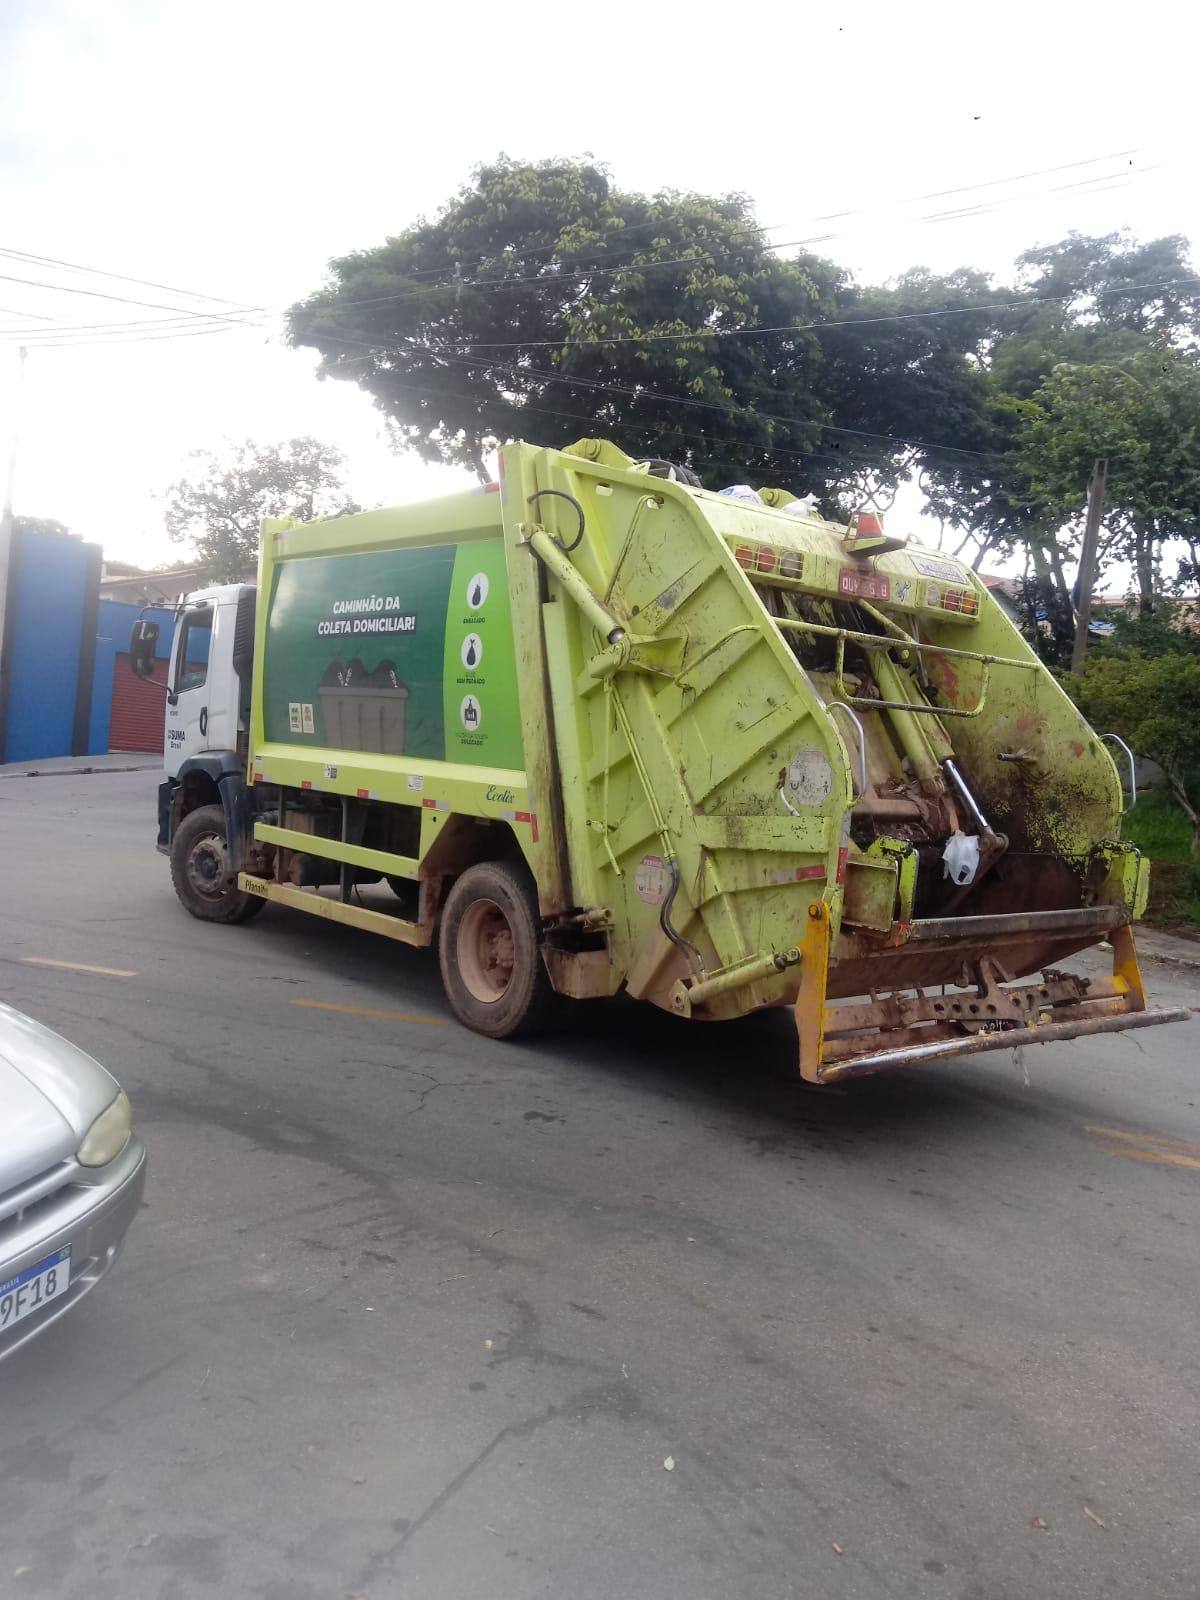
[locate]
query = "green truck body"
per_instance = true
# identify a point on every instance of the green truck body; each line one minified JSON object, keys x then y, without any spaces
{"x":722,"y":754}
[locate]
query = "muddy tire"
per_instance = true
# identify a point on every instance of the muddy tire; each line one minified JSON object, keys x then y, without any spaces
{"x":488,"y":949}
{"x":198,"y":862}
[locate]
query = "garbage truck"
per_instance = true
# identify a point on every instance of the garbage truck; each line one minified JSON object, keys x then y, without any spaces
{"x":593,"y":728}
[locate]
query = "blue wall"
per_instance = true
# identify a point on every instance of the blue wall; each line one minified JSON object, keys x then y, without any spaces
{"x":114,"y":622}
{"x":51,"y":598}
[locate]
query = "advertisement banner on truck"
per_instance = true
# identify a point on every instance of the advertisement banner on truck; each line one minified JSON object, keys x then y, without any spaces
{"x":397,"y":652}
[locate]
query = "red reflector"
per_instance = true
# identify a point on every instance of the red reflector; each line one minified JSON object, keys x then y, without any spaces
{"x":765,"y":561}
{"x":491,"y":488}
{"x":744,"y":556}
{"x":306,"y":783}
{"x":868,"y":524}
{"x":841,"y":866}
{"x":817,"y":870}
{"x":363,"y":794}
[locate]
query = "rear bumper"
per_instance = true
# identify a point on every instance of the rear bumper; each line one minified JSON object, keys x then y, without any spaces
{"x":1010,"y":1039}
{"x":955,"y":995}
{"x":92,"y":1216}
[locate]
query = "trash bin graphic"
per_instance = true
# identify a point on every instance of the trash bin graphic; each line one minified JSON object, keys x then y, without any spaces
{"x":364,"y":710}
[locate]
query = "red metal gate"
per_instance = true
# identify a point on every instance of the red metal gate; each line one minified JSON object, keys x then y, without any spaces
{"x":138,"y":708}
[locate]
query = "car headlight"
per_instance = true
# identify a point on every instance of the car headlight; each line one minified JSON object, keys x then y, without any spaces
{"x":108,"y":1135}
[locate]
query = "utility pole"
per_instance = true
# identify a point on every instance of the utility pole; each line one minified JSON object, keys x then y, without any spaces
{"x":6,"y":533}
{"x":1087,"y":561}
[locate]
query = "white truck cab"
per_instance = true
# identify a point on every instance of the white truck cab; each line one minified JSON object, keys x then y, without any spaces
{"x":205,"y":697}
{"x":207,"y":728}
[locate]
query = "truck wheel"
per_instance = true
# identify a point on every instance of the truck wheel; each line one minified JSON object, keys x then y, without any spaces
{"x":198,"y":860}
{"x":492,"y":968}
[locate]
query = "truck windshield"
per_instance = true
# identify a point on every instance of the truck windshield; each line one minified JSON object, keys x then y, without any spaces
{"x":192,"y":668}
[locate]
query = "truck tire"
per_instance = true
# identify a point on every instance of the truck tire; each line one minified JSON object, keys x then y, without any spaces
{"x":488,"y":949}
{"x":198,"y":856}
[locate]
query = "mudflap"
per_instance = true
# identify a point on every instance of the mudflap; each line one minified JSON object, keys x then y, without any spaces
{"x":904,"y":1029}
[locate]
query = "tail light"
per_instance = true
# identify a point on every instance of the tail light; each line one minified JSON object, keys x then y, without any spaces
{"x":769,"y":561}
{"x":959,"y":602}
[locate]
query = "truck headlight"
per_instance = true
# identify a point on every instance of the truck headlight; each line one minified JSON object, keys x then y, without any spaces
{"x":108,"y":1135}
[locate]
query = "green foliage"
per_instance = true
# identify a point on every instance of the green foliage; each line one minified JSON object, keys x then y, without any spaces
{"x":41,"y":525}
{"x":490,"y":323}
{"x":1086,"y":359}
{"x":1159,"y":829}
{"x":220,"y":506}
{"x":1143,"y":415}
{"x":1166,"y":626}
{"x":544,"y":302}
{"x":1153,"y":702}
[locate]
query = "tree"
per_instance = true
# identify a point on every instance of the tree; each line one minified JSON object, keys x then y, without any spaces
{"x":42,"y":525}
{"x":220,"y":505}
{"x":1144,"y":416}
{"x":1103,"y":303}
{"x":1150,"y":695}
{"x":545,"y":303}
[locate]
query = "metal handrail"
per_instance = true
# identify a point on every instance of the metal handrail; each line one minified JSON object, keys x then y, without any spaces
{"x":1131,"y":758}
{"x":873,"y":641}
{"x":840,"y":705}
{"x":922,"y":706}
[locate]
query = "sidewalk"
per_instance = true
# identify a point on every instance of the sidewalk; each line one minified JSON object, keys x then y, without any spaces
{"x":68,"y":766}
{"x":1167,"y":949}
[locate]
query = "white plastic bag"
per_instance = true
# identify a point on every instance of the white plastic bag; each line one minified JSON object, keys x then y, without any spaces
{"x":742,"y":491}
{"x":801,"y":508}
{"x":960,"y":858}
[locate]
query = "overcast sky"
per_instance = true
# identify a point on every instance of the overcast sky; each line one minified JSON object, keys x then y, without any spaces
{"x":232,"y":149}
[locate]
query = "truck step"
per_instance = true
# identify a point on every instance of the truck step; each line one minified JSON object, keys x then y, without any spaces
{"x":319,"y":905}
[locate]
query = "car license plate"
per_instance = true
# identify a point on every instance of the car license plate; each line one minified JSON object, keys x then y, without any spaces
{"x":866,"y":585}
{"x":30,"y":1290}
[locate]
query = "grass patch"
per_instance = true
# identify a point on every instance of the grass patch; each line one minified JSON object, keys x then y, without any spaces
{"x":1160,"y":830}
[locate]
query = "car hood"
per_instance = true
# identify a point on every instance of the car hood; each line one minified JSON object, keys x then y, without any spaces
{"x":50,"y":1094}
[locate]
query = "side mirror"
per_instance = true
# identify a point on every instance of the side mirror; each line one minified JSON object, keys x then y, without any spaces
{"x":143,"y":642}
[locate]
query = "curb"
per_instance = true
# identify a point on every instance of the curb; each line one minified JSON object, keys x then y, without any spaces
{"x":76,"y":772}
{"x":1162,"y":959}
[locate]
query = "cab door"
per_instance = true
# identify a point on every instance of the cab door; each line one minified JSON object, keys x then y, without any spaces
{"x":187,"y":697}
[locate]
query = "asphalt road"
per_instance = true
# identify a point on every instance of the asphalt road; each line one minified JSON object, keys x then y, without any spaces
{"x":408,"y":1313}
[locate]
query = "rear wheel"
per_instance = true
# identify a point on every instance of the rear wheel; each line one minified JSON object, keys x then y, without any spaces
{"x":492,"y":967}
{"x":199,"y":864}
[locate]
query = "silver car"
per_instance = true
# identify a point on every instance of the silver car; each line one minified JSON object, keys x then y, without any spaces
{"x":71,"y":1176}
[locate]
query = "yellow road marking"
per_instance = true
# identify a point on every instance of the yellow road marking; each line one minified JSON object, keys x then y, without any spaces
{"x":368,"y":1011}
{"x":1148,"y":1147}
{"x":77,"y":966}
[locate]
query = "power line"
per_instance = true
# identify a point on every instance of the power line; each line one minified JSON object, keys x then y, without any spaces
{"x":100,"y":272}
{"x":832,"y":216}
{"x":803,"y":327}
{"x":556,"y":278}
{"x":98,"y":294}
{"x":703,"y":438}
{"x":646,"y":392}
{"x":15,"y":311}
{"x":140,"y":324}
{"x":236,"y":320}
{"x":144,"y":338}
{"x":553,"y":279}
